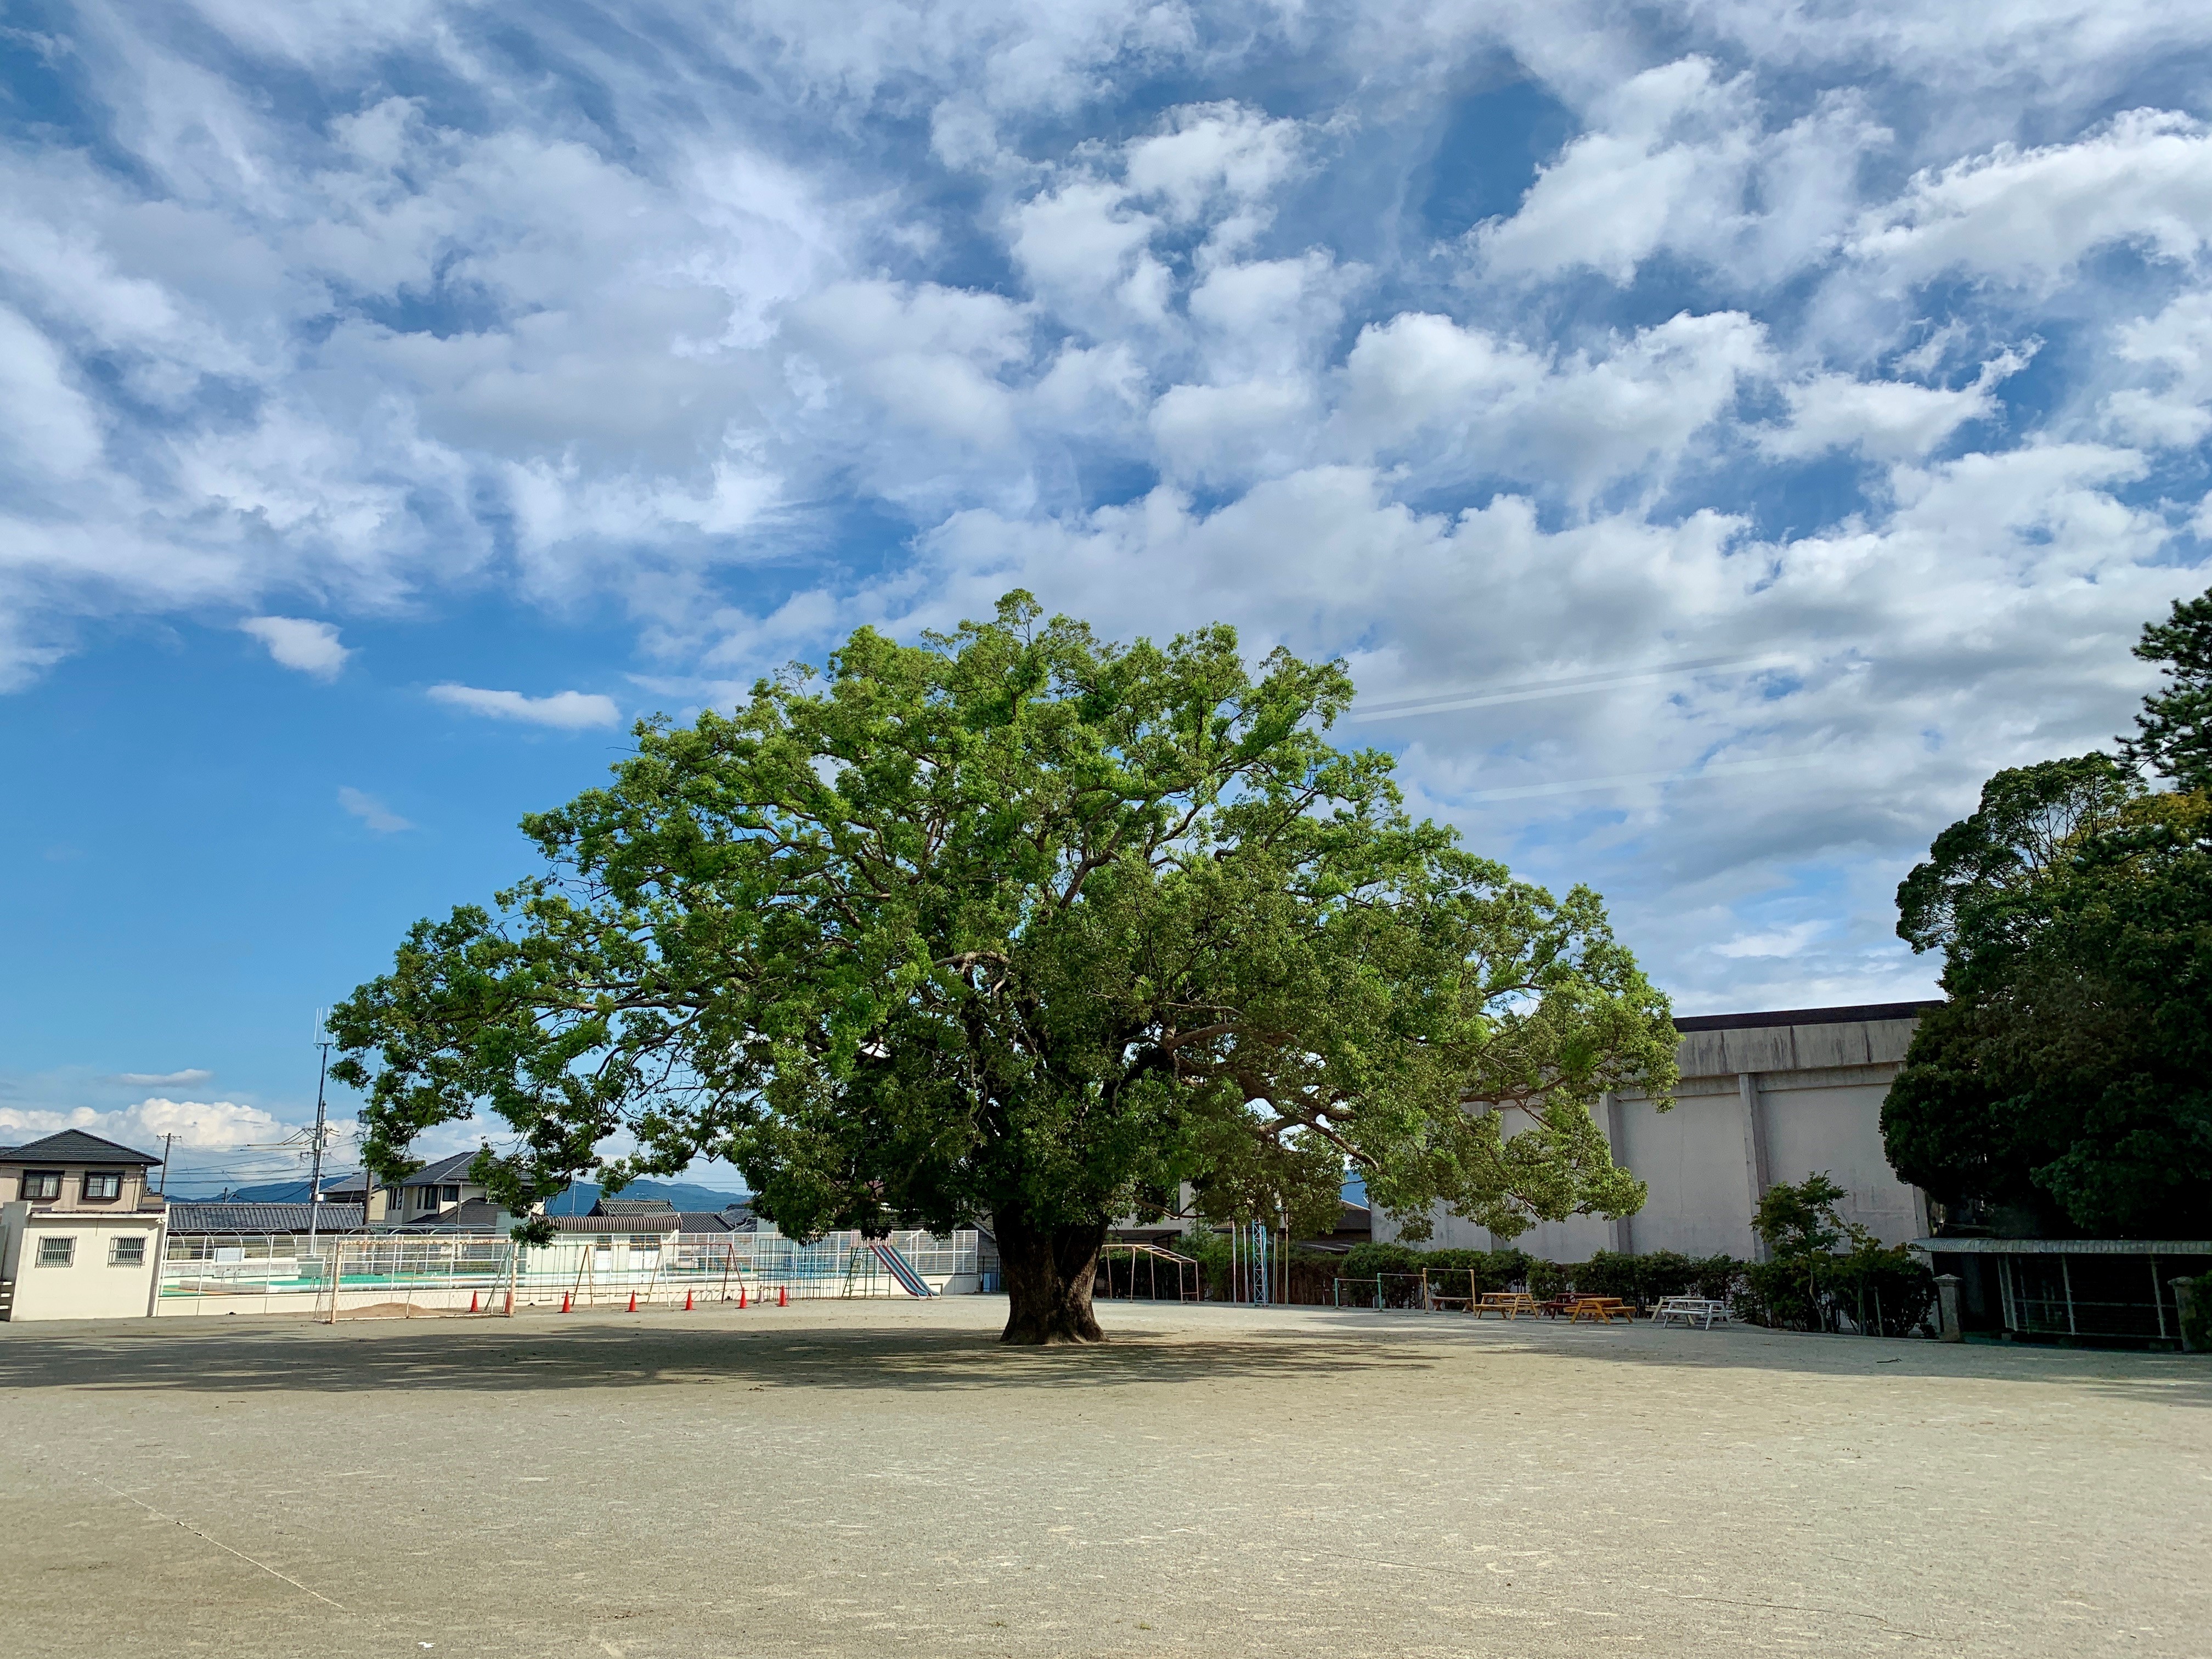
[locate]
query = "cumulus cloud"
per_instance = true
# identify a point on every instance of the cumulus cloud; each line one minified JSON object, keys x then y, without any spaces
{"x":564,"y":711}
{"x":219,"y":1125}
{"x":372,"y":812}
{"x":1730,"y":374}
{"x":1680,"y":159}
{"x":312,"y":648}
{"x":2025,"y":216}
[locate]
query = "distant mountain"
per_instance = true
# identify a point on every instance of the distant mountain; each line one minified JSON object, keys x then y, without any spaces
{"x":269,"y":1192}
{"x":683,"y":1195}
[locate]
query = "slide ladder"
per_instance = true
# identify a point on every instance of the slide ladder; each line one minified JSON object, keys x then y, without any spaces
{"x":900,"y":1269}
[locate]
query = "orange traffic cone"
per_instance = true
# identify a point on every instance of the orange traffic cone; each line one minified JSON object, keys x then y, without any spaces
{"x":633,"y":1301}
{"x":564,"y":1301}
{"x":472,"y":1300}
{"x":687,"y":1302}
{"x":741,"y":1295}
{"x":783,"y":1296}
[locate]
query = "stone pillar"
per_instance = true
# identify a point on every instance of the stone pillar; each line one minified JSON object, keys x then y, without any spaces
{"x":1754,"y":1149}
{"x":2184,"y":1297}
{"x":1947,"y":1308}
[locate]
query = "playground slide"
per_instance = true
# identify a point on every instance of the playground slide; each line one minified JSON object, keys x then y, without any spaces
{"x":901,"y":1269}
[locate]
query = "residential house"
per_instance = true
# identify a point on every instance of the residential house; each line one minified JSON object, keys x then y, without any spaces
{"x":432,"y":1193}
{"x":80,"y":1236}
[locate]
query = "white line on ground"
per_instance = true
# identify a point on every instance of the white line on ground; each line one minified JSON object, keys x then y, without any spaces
{"x":218,"y":1543}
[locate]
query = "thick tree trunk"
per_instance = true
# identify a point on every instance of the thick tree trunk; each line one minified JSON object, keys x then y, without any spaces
{"x":1049,"y":1274}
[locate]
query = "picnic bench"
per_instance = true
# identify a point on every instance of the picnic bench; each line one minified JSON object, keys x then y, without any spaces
{"x":1506,"y":1305}
{"x":1703,"y":1311}
{"x":1599,"y":1309}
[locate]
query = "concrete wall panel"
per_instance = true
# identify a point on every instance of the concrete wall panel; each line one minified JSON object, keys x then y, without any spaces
{"x":1691,"y":1159}
{"x":1837,"y":1132}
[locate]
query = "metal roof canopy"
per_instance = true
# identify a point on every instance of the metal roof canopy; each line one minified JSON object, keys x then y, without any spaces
{"x":2063,"y":1246}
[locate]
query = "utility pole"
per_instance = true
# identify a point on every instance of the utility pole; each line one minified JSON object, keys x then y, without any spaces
{"x":165,"y":1142}
{"x":315,"y":1169}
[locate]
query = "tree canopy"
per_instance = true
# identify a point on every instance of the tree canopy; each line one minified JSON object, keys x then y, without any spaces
{"x":1018,"y":925}
{"x":2066,"y":1085}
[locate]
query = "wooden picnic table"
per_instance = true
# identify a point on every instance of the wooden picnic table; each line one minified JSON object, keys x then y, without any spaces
{"x":1600,"y":1310}
{"x":1506,"y":1305}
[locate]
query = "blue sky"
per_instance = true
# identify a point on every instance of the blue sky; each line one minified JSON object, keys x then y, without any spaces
{"x":1717,"y":435}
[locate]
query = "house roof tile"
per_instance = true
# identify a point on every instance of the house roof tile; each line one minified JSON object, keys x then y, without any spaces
{"x":188,"y":1218}
{"x":74,"y":1147}
{"x":454,"y":1169}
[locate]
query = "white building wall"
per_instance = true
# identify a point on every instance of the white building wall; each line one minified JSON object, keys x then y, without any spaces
{"x":1756,"y":1105}
{"x":89,"y":1287}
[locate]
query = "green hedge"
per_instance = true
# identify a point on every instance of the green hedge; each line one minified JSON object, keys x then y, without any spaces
{"x":1884,"y":1291}
{"x":1641,"y":1279}
{"x":1880,"y":1290}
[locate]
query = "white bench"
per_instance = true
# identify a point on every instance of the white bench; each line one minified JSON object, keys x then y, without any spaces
{"x":1703,"y":1311}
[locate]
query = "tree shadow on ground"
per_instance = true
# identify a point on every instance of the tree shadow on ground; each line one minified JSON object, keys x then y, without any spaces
{"x":543,"y":1354}
{"x":2131,"y":1374}
{"x":446,"y":1354}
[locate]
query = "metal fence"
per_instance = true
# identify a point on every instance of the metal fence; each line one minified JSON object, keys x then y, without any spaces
{"x":2089,"y":1297}
{"x":356,"y":1273}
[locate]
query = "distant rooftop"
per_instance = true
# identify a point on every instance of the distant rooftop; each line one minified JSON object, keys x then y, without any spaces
{"x":188,"y":1218}
{"x":633,"y":1207}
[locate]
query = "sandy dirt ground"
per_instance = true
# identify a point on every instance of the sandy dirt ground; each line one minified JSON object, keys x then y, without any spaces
{"x":882,"y":1479}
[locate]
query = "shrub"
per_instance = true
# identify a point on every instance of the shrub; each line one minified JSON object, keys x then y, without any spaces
{"x":1365,"y":1261}
{"x":1719,"y":1278}
{"x":1548,"y":1279}
{"x":1814,"y":1282}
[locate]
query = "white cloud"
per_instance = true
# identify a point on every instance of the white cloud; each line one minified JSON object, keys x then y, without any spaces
{"x":1462,"y":399}
{"x":2174,"y":350}
{"x":50,"y":432}
{"x":1680,"y":159}
{"x":2025,"y":216}
{"x":183,"y":1079}
{"x":1780,"y":942}
{"x":565,"y":711}
{"x":197,"y":1124}
{"x":372,"y":812}
{"x":312,"y":648}
{"x":748,"y":372}
{"x":1885,"y":420}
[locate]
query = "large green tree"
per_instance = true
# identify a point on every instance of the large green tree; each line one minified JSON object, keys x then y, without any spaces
{"x":2066,"y":1085}
{"x":1019,"y":925}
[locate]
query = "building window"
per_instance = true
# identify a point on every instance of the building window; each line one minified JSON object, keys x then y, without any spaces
{"x":103,"y":1184}
{"x":127,"y":1250}
{"x":56,"y":1251}
{"x":42,"y":1183}
{"x":449,"y":1194}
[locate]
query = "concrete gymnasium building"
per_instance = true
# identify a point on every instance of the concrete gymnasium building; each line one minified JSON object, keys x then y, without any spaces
{"x":1763,"y":1099}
